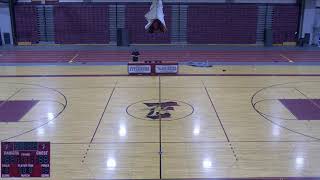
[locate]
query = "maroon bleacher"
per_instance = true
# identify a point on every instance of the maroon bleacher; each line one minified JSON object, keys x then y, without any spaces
{"x":81,"y":24}
{"x":285,"y":23}
{"x":26,"y":23}
{"x":135,"y":23}
{"x":222,"y":24}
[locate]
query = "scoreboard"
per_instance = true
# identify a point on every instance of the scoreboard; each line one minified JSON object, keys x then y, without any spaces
{"x":25,"y":159}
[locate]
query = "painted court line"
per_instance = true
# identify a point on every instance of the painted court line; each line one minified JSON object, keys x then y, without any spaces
{"x":311,"y":100}
{"x":123,"y":75}
{"x":115,"y":63}
{"x":288,"y":59}
{"x":15,"y":93}
{"x":73,"y":59}
{"x":98,"y":125}
{"x":253,"y":178}
{"x":221,"y":124}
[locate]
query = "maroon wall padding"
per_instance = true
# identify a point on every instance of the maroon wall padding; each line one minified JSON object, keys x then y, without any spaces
{"x":81,"y":24}
{"x":285,"y":23}
{"x":26,"y":23}
{"x":222,"y":24}
{"x":135,"y":23}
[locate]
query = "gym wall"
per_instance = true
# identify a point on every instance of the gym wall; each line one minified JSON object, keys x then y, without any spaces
{"x":188,"y":22}
{"x":222,"y":24}
{"x":285,"y":23}
{"x":26,"y":24}
{"x":135,"y":23}
{"x":81,"y":24}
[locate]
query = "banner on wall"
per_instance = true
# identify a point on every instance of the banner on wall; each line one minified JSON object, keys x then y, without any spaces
{"x":139,"y":69}
{"x":167,"y":69}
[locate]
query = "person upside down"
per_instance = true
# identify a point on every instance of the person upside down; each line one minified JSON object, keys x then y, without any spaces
{"x":155,"y":18}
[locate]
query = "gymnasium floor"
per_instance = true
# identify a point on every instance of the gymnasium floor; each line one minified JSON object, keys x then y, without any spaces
{"x":256,"y":121}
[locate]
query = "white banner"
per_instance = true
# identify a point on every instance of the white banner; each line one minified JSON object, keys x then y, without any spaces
{"x":139,"y":69}
{"x":166,"y":69}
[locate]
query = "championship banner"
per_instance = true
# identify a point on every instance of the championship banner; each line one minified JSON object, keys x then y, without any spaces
{"x":25,"y":159}
{"x":139,"y":69}
{"x":167,"y":69}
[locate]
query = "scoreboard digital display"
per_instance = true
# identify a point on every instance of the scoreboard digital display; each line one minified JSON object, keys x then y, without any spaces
{"x":25,"y":159}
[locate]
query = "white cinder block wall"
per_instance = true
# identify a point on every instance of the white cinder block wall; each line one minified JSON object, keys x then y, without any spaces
{"x":5,"y":24}
{"x":311,"y":20}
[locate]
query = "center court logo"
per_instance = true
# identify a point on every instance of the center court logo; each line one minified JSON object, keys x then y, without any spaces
{"x":166,"y":110}
{"x":160,"y":110}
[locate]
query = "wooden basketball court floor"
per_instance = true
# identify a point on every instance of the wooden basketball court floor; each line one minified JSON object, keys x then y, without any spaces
{"x":247,"y":121}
